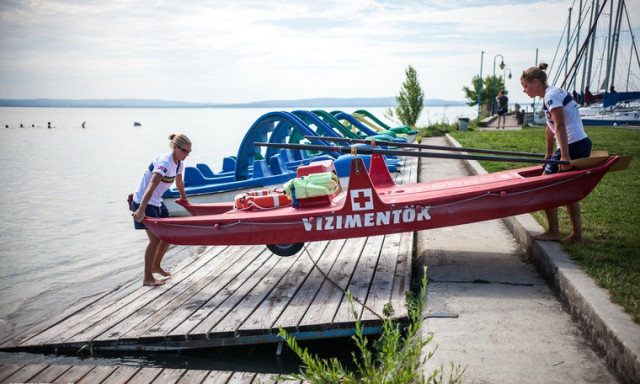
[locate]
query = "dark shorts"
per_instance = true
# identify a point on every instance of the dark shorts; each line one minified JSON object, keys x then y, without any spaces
{"x":151,"y":211}
{"x":578,"y":150}
{"x":501,"y":112}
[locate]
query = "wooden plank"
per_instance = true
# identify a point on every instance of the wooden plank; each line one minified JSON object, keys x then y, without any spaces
{"x":7,"y":370}
{"x":141,"y":321}
{"x":268,"y":378}
{"x":241,"y":378}
{"x":85,"y":308}
{"x":208,"y":325}
{"x":147,"y":375}
{"x":402,"y":278}
{"x":97,"y":375}
{"x":170,"y":376}
{"x":382,"y":283}
{"x":263,"y":319}
{"x":121,"y":375}
{"x":192,"y":376}
{"x":83,"y":333}
{"x":95,"y":315}
{"x":25,"y":373}
{"x":80,"y":320}
{"x":81,"y":311}
{"x":49,"y":374}
{"x":360,"y":281}
{"x":219,"y":291}
{"x":48,"y":323}
{"x":217,"y":377}
{"x":164,"y":321}
{"x":168,"y":294}
{"x":256,"y":296}
{"x":75,"y":373}
{"x":325,"y":304}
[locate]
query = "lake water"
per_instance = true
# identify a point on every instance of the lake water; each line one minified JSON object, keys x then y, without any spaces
{"x":66,"y":234}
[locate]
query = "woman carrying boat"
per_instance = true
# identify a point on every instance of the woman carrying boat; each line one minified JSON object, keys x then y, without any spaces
{"x":564,"y":127}
{"x":147,"y":201}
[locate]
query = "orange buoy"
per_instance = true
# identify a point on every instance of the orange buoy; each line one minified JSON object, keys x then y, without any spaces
{"x":262,"y":199}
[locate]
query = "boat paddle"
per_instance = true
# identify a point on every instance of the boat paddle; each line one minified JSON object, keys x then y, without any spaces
{"x":377,"y":143}
{"x":584,"y":163}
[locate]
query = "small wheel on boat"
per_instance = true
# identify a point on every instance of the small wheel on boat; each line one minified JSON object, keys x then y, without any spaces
{"x":285,"y":249}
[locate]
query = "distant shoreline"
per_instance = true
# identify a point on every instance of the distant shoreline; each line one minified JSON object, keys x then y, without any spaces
{"x":143,"y":103}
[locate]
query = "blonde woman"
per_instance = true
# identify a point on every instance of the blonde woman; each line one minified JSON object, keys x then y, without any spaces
{"x":147,"y":201}
{"x":564,"y":127}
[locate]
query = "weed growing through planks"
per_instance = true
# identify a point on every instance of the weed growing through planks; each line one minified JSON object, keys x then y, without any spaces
{"x":396,"y":357}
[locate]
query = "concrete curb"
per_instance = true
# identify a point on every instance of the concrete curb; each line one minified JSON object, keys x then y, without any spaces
{"x":605,"y":324}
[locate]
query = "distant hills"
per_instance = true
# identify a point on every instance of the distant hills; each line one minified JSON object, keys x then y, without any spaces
{"x":144,"y":103}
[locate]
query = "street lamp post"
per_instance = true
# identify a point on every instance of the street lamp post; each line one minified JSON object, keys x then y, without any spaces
{"x":480,"y":86}
{"x":504,"y":74}
{"x":493,"y":85}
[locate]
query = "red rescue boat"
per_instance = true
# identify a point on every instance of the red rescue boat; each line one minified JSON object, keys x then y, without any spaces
{"x":374,"y":205}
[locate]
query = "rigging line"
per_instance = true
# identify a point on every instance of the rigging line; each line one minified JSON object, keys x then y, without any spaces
{"x":633,"y":39}
{"x":339,"y":287}
{"x":558,"y":47}
{"x":579,"y":58}
{"x":584,"y":45}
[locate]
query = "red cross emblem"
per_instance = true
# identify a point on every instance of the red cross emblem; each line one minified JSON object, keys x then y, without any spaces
{"x":361,"y":199}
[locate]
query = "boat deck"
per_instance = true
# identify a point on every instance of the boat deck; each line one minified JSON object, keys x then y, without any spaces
{"x":240,"y":295}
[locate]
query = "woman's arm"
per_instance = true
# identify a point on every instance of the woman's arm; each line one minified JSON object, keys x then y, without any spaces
{"x":550,"y":141}
{"x":561,"y":136}
{"x":180,"y":186}
{"x":138,"y":215}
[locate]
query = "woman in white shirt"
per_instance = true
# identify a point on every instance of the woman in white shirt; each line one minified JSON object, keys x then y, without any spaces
{"x":147,"y":201}
{"x":565,"y":128}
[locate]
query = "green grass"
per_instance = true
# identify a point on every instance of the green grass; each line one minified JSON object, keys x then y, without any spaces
{"x":610,"y":252}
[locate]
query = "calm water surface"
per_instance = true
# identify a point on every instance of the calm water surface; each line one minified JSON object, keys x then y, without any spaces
{"x":66,"y":234}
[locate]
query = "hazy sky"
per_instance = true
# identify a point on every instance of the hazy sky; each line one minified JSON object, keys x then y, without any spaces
{"x":243,"y":51}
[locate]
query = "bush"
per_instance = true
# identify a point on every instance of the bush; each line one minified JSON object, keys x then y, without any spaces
{"x":438,"y":129}
{"x":397,"y":356}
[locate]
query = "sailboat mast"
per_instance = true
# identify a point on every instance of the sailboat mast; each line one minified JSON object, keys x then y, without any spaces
{"x":587,"y":63}
{"x":607,"y":72}
{"x":592,"y":24}
{"x":616,"y":40}
{"x":566,"y":56}
{"x":634,"y":48}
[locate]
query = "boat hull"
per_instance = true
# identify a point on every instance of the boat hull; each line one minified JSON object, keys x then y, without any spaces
{"x":374,"y":205}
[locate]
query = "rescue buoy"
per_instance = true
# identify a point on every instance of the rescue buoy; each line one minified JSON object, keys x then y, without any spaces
{"x":262,"y":199}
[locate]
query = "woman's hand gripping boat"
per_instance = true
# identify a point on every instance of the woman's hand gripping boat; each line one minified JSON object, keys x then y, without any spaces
{"x":374,"y":205}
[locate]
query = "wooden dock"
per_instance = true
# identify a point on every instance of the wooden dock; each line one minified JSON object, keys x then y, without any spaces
{"x":89,"y":374}
{"x":240,"y":295}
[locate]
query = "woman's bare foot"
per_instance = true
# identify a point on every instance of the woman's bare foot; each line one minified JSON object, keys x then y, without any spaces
{"x":152,"y":283}
{"x":162,"y":272}
{"x":572,"y":239}
{"x":548,"y":236}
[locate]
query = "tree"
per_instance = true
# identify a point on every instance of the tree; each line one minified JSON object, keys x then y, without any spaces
{"x":495,"y":83}
{"x":410,"y":100}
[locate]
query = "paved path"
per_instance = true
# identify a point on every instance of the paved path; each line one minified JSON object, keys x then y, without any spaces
{"x":511,"y":328}
{"x":510,"y":123}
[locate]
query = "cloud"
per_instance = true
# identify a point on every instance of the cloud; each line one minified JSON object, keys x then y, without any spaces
{"x":255,"y":50}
